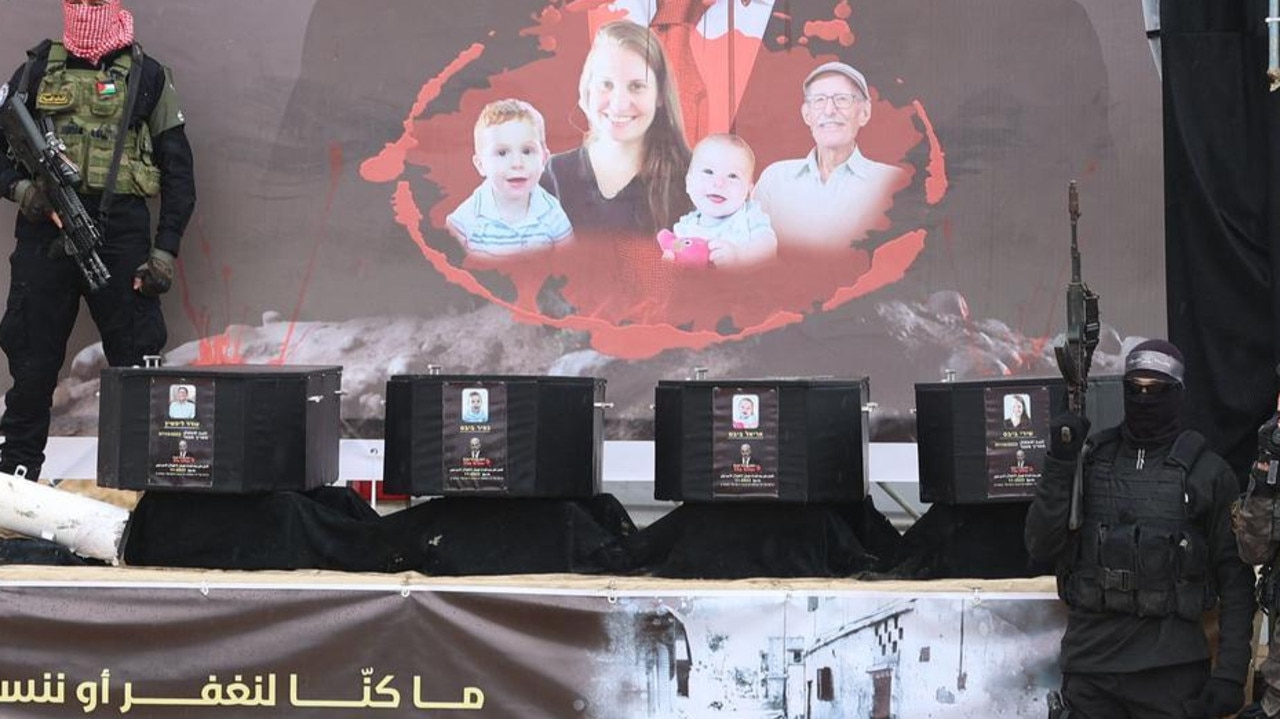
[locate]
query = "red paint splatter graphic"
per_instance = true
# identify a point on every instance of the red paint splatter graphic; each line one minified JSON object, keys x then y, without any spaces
{"x":935,"y":185}
{"x":221,"y":348}
{"x":617,"y":288}
{"x":834,"y":30}
{"x":227,"y":347}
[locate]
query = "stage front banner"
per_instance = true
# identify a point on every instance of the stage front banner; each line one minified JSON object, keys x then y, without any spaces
{"x":169,"y":644}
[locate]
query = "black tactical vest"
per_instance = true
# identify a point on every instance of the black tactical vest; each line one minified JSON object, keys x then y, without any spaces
{"x":1139,"y":550}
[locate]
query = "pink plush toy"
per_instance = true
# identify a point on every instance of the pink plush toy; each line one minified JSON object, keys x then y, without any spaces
{"x":687,"y":251}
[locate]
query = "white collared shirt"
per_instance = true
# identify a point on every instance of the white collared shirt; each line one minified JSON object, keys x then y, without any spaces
{"x":807,"y":212}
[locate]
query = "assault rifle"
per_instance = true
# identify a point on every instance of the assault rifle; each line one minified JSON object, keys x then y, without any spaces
{"x":44,"y":158}
{"x":1075,"y":355}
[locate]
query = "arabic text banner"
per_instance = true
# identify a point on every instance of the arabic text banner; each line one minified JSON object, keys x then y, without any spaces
{"x":409,"y":651}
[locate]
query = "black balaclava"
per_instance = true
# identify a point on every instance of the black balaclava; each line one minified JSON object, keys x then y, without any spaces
{"x":1153,"y":419}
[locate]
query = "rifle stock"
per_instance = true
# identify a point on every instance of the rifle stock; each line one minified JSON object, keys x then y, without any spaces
{"x":43,"y":157}
{"x":1075,"y":355}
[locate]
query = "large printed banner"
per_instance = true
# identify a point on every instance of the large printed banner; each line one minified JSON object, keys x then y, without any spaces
{"x":245,"y":651}
{"x":630,"y":189}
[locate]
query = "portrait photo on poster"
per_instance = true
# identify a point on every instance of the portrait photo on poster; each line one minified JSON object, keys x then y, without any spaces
{"x":1017,"y":411}
{"x":746,"y":411}
{"x":182,"y":401}
{"x":475,"y":405}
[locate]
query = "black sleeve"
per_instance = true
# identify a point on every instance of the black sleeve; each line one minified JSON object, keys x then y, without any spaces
{"x":1046,"y":533}
{"x":173,"y":155}
{"x":1234,"y":580}
{"x":177,"y":187}
{"x":549,"y":181}
{"x":8,"y":173}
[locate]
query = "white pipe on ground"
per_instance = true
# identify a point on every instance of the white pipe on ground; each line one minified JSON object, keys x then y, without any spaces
{"x":86,"y":526}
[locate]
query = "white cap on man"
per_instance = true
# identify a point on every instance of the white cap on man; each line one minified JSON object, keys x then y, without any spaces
{"x":838,"y":68}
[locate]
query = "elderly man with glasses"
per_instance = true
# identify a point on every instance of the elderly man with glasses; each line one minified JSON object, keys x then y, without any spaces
{"x":831,"y":199}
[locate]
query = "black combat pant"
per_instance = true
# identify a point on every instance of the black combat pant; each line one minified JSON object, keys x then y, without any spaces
{"x":44,"y":299}
{"x":1149,"y":694}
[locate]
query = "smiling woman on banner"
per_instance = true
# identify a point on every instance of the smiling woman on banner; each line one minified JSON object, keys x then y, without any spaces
{"x":628,"y":175}
{"x":626,"y":181}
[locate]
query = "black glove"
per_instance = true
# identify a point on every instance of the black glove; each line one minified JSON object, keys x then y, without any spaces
{"x":1219,"y":697}
{"x":155,"y":276}
{"x":1067,"y":433}
{"x":1268,"y":452}
{"x":31,"y":201}
{"x":1269,"y":437}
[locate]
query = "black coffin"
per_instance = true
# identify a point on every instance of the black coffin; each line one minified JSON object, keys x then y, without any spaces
{"x":968,"y":442}
{"x":230,"y":429}
{"x":761,"y":440}
{"x":494,"y":435}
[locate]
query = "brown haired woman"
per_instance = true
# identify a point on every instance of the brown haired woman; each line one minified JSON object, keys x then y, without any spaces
{"x":626,"y":181}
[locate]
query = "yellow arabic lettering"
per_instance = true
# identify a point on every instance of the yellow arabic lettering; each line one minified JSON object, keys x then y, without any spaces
{"x":18,"y":696}
{"x":87,"y":693}
{"x":258,"y":700}
{"x":106,"y":687}
{"x":62,"y":687}
{"x":11,"y":691}
{"x":213,"y":693}
{"x":238,"y":693}
{"x":383,"y":689}
{"x":366,"y":699}
{"x":472,"y":698}
{"x":128,"y":698}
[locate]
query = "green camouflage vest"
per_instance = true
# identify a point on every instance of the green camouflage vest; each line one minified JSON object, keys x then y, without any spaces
{"x":86,"y":107}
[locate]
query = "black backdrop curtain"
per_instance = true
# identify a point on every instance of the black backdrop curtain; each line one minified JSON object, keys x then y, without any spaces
{"x":1222,"y":215}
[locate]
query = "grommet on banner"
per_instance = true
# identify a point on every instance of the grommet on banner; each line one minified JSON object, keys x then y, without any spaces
{"x":611,"y":592}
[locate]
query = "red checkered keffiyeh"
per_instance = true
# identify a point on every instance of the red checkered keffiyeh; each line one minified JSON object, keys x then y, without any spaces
{"x":92,"y":31}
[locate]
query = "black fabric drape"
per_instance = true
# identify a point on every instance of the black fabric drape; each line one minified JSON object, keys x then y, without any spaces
{"x":1222,"y":215}
{"x":332,"y":528}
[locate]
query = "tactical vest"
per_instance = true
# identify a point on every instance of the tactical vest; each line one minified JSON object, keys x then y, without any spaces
{"x":86,"y":107}
{"x":1139,"y":550}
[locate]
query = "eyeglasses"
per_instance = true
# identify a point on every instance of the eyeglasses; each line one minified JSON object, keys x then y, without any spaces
{"x":842,"y":101}
{"x":1149,"y":387}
